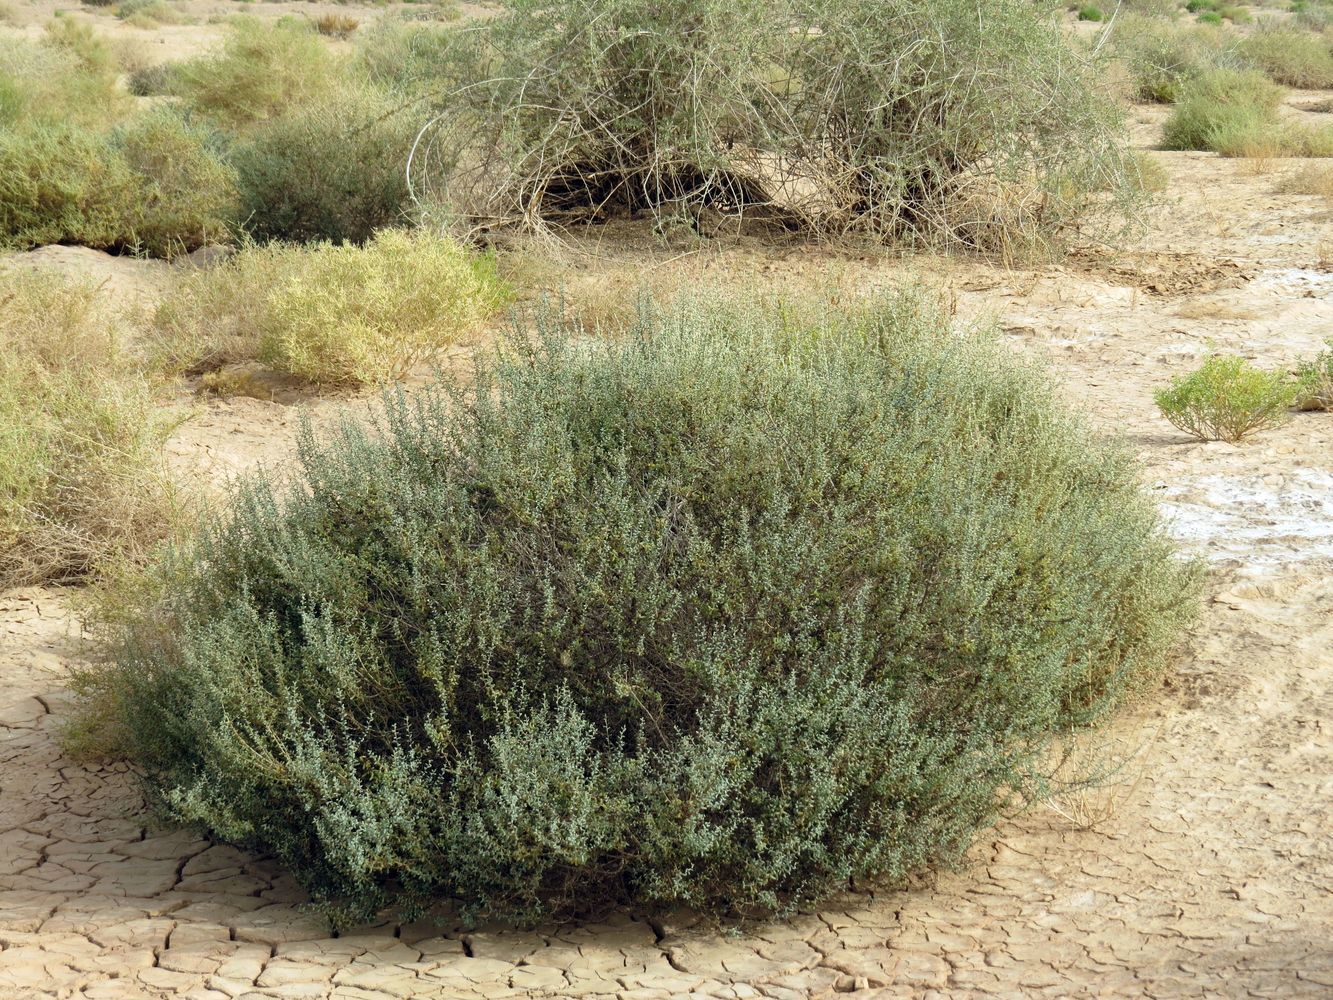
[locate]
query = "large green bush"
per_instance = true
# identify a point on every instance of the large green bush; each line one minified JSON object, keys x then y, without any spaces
{"x":329,"y":169}
{"x":1219,"y":105}
{"x":738,"y":607}
{"x":935,"y":119}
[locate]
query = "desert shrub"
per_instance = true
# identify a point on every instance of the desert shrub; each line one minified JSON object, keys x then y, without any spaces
{"x":1227,"y":399}
{"x":1211,"y":18}
{"x":1291,"y":56}
{"x":1163,"y":56}
{"x":185,"y":194}
{"x":729,"y":611}
{"x":262,"y":67}
{"x":153,"y":184}
{"x":1221,"y":105}
{"x":80,"y":478}
{"x":336,"y":25}
{"x":330,"y":314}
{"x":68,"y":77}
{"x":331,"y":169}
{"x":147,"y":13}
{"x":407,"y":56}
{"x":63,"y":185}
{"x":1089,"y":12}
{"x":154,"y":80}
{"x":943,"y":120}
{"x":1315,"y":382}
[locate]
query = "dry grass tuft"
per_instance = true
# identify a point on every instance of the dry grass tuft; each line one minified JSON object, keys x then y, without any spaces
{"x":1310,"y":178}
{"x":81,"y":480}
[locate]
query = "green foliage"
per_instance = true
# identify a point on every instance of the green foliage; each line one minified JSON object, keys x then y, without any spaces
{"x":80,"y":481}
{"x":1291,"y":56}
{"x":1211,"y":17}
{"x":732,"y":610}
{"x":1219,"y":105}
{"x":185,"y":194}
{"x":262,"y":68}
{"x":1227,"y":399}
{"x":1315,"y":381}
{"x":330,"y":314}
{"x":953,"y":120}
{"x":153,"y":184}
{"x":407,"y":56}
{"x":1089,"y":12}
{"x":329,"y":169}
{"x":62,"y":184}
{"x":1162,"y":57}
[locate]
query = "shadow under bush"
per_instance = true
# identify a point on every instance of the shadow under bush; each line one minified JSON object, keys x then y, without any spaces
{"x":732,"y":610}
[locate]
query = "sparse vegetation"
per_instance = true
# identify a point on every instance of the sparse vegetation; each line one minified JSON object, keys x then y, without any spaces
{"x":329,"y":314}
{"x":80,"y":479}
{"x":262,"y":68}
{"x":632,"y":619}
{"x":1290,"y":56}
{"x":1227,"y":399}
{"x":1310,"y":178}
{"x":1315,"y":382}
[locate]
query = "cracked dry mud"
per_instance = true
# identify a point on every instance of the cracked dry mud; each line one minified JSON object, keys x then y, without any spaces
{"x":1208,"y":870}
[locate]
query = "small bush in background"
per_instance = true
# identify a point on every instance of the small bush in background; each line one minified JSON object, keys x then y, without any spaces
{"x":1163,"y":56}
{"x":407,"y":56}
{"x":732,"y":611}
{"x":1222,"y":106}
{"x":81,"y":481}
{"x":1291,"y":57}
{"x":327,"y":169}
{"x":147,"y":13}
{"x":330,"y":314}
{"x":262,"y":68}
{"x":1088,"y":12}
{"x":1315,"y":380}
{"x":336,"y":25}
{"x":1227,"y":399}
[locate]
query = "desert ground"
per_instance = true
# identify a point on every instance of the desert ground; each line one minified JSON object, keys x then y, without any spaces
{"x":1203,"y":867}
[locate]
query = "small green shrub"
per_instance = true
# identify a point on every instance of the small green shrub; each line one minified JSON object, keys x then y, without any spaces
{"x":1227,"y":399}
{"x":1210,"y":17}
{"x":1221,"y":105}
{"x":330,"y":314}
{"x":262,"y":68}
{"x":1163,"y":56}
{"x":1315,"y":381}
{"x":80,"y":476}
{"x":331,"y":169}
{"x":1291,"y":56}
{"x":1088,"y":12}
{"x":733,"y":610}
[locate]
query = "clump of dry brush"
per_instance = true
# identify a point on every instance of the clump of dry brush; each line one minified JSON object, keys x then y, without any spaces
{"x":973,"y":121}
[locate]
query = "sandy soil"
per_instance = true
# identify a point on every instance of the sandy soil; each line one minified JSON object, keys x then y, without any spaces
{"x":1203,"y":868}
